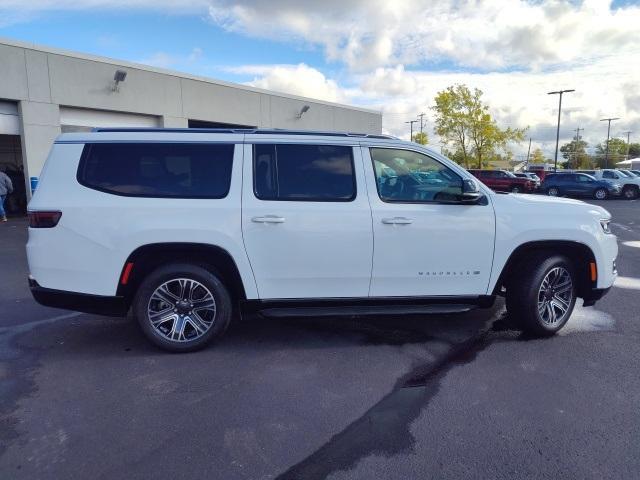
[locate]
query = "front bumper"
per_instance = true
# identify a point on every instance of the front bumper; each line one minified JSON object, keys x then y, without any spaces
{"x":80,"y":302}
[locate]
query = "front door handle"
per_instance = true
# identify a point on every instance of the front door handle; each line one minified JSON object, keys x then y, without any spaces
{"x":397,"y":221}
{"x":268,"y":219}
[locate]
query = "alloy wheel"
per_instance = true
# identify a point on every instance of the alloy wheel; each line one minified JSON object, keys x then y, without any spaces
{"x":181,"y":310}
{"x":554,"y":296}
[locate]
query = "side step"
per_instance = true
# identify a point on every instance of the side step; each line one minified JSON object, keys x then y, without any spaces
{"x":434,"y":309}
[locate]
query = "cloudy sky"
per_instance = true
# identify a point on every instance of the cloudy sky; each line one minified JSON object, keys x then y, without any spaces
{"x":388,"y":55}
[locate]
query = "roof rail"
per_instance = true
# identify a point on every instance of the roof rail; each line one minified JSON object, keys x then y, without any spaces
{"x":274,"y":131}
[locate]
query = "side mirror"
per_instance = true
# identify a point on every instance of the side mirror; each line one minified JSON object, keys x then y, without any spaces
{"x":470,"y":192}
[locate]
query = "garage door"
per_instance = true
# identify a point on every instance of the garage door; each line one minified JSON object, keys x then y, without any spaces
{"x":9,"y":120}
{"x":83,"y":119}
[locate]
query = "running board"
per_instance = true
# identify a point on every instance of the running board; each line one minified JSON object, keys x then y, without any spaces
{"x":347,"y":310}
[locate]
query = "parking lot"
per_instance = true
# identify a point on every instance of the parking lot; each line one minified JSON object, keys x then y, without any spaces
{"x":84,"y":396}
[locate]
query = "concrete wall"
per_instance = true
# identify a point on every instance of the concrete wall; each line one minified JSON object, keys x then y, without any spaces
{"x":42,"y":80}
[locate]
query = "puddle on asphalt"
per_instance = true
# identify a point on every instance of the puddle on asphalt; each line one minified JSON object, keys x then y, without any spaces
{"x":385,"y":427}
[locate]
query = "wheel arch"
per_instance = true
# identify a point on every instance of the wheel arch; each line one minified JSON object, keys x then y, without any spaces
{"x":149,"y":257}
{"x":578,"y":253}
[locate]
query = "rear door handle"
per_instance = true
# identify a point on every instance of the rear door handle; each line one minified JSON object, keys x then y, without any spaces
{"x":268,"y":219}
{"x":397,"y":221}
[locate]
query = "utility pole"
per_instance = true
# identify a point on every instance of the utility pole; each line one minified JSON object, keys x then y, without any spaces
{"x":528,"y":152}
{"x":575,"y":146}
{"x":560,"y":92}
{"x":629,"y":132}
{"x":606,"y":152}
{"x":411,"y":122}
{"x":421,"y":116}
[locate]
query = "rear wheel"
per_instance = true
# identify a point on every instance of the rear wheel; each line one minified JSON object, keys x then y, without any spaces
{"x":516,"y":189}
{"x":553,"y":191}
{"x":541,"y":294}
{"x":630,"y":193}
{"x":182,"y":307}
{"x":600,"y":194}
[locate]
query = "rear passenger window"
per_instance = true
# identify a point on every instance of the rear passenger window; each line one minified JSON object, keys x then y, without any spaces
{"x":320,"y":173}
{"x":166,"y":170}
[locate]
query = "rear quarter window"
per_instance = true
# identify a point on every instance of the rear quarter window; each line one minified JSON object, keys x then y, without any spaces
{"x":161,"y":170}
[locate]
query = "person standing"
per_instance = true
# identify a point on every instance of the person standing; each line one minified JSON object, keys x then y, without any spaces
{"x":6,"y":187}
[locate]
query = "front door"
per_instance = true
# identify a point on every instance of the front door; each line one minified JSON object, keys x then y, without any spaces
{"x":426,"y":244}
{"x":306,"y":220}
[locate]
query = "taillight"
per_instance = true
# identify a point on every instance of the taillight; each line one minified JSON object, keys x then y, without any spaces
{"x":42,"y":219}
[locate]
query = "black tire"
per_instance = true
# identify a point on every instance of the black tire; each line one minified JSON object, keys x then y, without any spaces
{"x":630,"y":193}
{"x":202,"y":281}
{"x":553,"y":191}
{"x":600,"y":194}
{"x":524,"y":293}
{"x":516,"y":189}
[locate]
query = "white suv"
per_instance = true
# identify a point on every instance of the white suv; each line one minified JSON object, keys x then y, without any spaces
{"x":185,"y":227}
{"x":629,"y":185}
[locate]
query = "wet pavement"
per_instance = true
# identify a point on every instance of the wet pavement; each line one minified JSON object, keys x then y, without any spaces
{"x":412,"y":397}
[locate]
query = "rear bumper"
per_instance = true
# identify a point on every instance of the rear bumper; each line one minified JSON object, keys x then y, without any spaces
{"x":80,"y":302}
{"x":594,"y":295}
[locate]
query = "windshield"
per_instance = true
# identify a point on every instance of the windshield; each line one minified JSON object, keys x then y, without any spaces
{"x":623,"y":173}
{"x":509,"y":174}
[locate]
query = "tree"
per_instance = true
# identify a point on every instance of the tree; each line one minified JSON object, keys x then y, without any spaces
{"x":421,"y":137}
{"x":537,"y":156}
{"x":463,"y":121}
{"x":634,"y":150}
{"x":575,"y":152}
{"x":617,"y":151}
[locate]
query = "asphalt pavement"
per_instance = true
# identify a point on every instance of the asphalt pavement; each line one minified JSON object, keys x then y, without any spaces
{"x":84,"y":396}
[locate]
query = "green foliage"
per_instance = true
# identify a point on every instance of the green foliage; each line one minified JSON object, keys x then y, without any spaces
{"x":617,"y":152}
{"x":575,"y":152}
{"x":421,"y":137}
{"x":537,"y":156}
{"x":463,"y":121}
{"x":634,"y":150}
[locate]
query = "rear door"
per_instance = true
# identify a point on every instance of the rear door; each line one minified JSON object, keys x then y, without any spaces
{"x":306,"y":219}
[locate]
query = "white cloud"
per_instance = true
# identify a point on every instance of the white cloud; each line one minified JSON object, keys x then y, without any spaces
{"x":294,"y":79}
{"x":488,"y":34}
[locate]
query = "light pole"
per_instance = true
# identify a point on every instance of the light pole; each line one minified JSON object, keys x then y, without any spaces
{"x":606,"y":152}
{"x":628,"y":132}
{"x":411,"y":122}
{"x":560,"y":92}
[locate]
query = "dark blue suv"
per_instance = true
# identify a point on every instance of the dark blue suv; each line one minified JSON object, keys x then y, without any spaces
{"x":577,"y":185}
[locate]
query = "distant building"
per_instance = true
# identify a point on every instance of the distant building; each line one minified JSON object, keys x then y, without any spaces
{"x":45,"y":91}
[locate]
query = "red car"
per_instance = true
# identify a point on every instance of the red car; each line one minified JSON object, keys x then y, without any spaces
{"x":503,"y":181}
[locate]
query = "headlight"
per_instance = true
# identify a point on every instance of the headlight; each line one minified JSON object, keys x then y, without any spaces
{"x":605,"y":226}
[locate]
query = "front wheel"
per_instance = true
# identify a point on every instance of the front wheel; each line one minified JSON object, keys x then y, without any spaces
{"x":630,"y":193}
{"x":182,"y":307}
{"x":541,"y":294}
{"x":600,"y":194}
{"x":516,"y":189}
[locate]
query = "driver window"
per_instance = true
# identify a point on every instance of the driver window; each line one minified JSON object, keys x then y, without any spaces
{"x":408,"y":176}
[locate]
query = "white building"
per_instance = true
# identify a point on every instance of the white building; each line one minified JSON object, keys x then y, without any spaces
{"x":46,"y":91}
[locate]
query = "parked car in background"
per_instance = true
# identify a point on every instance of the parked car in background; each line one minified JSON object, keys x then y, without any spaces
{"x":578,"y":185}
{"x":630,"y":173}
{"x":629,"y":186}
{"x":530,"y":176}
{"x":503,"y":181}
